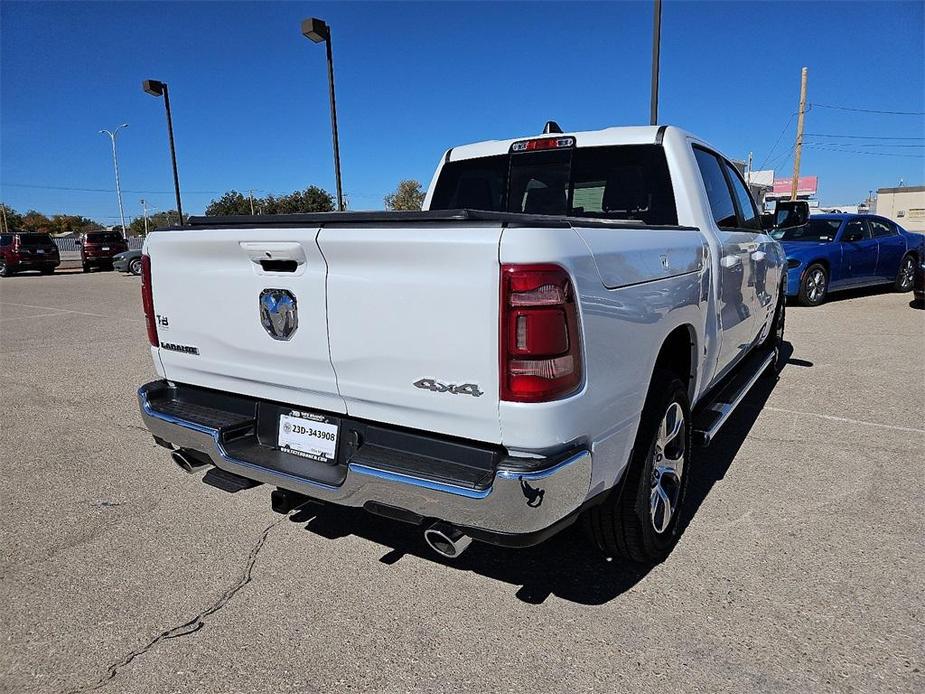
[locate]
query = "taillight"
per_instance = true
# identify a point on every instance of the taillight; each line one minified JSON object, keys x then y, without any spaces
{"x":540,"y":350}
{"x":147,"y":299}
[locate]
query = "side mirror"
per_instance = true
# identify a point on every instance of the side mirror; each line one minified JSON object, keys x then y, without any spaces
{"x":767,"y":221}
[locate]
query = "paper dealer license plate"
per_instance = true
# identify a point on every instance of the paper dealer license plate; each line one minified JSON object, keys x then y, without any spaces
{"x":308,"y":435}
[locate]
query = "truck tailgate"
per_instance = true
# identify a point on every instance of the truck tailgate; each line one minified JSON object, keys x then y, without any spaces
{"x":207,"y":286}
{"x":390,"y":319}
{"x":412,"y":312}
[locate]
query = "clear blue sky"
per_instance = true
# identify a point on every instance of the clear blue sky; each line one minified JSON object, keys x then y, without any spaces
{"x":249,"y":93}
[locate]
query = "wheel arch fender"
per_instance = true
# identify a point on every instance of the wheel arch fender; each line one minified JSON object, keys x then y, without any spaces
{"x":678,"y":353}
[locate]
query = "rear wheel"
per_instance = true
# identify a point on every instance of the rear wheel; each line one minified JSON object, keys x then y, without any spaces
{"x":906,"y":272}
{"x":48,"y":269}
{"x":814,"y":286}
{"x":640,"y":521}
{"x":135,"y":266}
{"x":86,"y":267}
{"x":5,"y":270}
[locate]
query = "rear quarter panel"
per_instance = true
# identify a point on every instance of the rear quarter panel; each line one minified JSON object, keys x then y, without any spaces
{"x":623,"y":328}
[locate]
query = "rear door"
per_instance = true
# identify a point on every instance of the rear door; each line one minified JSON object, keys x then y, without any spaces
{"x":413,"y":324}
{"x":208,"y":287}
{"x":738,"y":299}
{"x":859,"y":253}
{"x":891,"y":247}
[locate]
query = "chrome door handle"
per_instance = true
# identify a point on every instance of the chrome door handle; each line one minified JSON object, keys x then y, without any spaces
{"x":758,"y":256}
{"x":730,"y":261}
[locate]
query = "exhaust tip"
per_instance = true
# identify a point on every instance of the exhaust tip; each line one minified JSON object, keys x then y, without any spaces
{"x":185,"y":461}
{"x":447,"y":541}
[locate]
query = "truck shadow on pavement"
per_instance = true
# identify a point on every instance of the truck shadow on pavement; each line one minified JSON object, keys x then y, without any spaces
{"x":567,"y":565}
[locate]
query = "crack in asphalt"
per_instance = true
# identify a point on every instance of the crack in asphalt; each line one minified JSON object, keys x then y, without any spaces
{"x":186,"y":628}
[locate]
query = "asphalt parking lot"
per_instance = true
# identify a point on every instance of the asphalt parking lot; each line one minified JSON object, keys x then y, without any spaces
{"x":801,"y":570}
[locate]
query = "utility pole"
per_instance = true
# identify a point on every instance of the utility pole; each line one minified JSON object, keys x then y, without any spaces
{"x":749,"y":179}
{"x":656,"y":45}
{"x":6,"y":224}
{"x":798,"y":147}
{"x":252,"y":202}
{"x":144,"y":208}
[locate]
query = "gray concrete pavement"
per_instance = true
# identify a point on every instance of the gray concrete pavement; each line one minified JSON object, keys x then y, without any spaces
{"x":801,"y":570}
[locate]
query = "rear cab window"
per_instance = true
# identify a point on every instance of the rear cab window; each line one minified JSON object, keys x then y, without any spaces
{"x":619,"y":182}
{"x":104,"y":237}
{"x":35,"y":240}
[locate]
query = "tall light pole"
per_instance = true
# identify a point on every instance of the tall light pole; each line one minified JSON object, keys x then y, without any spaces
{"x":656,"y":50}
{"x":144,"y":209}
{"x":115,"y":164}
{"x":156,"y":88}
{"x":318,"y":31}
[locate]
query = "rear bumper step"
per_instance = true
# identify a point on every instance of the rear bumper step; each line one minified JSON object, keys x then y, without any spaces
{"x":713,"y":414}
{"x":460,"y":482}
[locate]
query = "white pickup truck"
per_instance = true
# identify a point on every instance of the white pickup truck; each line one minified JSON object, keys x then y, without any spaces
{"x":547,"y":339}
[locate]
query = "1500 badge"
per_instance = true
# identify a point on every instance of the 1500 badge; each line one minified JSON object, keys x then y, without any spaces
{"x":438,"y":387}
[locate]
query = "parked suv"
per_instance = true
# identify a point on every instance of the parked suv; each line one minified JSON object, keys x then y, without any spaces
{"x":97,"y":248}
{"x":27,"y":251}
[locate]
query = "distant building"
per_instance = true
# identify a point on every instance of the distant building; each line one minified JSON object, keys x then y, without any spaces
{"x":904,"y":205}
{"x":807,"y":187}
{"x":760,"y":183}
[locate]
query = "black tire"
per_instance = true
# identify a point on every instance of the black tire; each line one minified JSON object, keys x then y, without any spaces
{"x":624,"y":525}
{"x":135,"y":266}
{"x":5,"y":270}
{"x":86,"y":267}
{"x":814,"y":285}
{"x":48,"y":270}
{"x":904,"y":278}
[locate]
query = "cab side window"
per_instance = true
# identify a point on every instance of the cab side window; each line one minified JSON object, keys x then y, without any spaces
{"x":855,"y":230}
{"x":718,"y":193}
{"x":748,"y":212}
{"x":6,"y":239}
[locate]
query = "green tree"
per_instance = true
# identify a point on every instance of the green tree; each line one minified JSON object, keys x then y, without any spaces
{"x":312,"y":199}
{"x":64,"y":223}
{"x":408,"y":196}
{"x":231,"y":202}
{"x":35,"y":221}
{"x":155,"y":221}
{"x":13,"y":218}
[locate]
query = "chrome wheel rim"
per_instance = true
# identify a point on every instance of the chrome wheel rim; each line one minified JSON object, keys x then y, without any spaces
{"x":905,"y":274}
{"x":667,"y":468}
{"x":815,"y":285}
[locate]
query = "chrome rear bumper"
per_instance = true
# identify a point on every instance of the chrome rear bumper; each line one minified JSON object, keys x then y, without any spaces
{"x":516,"y":502}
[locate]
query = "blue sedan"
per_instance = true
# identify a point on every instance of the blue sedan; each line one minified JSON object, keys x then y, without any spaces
{"x":843,"y":251}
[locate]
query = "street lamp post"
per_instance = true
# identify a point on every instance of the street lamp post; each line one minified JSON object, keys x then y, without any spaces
{"x":144,"y":208}
{"x":115,"y":164}
{"x":318,"y":31}
{"x":156,"y":88}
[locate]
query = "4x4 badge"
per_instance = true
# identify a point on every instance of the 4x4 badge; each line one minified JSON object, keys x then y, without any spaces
{"x":438,"y":387}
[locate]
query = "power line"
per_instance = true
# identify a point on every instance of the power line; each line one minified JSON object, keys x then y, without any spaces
{"x":777,"y":141}
{"x":875,"y":154}
{"x":863,"y":137}
{"x":869,"y":110}
{"x":108,"y":190}
{"x":864,"y":144}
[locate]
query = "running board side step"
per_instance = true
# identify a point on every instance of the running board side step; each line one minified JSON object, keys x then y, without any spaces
{"x":711,"y":416}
